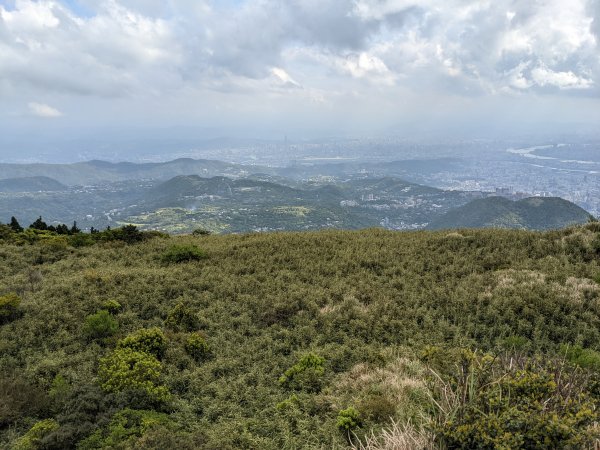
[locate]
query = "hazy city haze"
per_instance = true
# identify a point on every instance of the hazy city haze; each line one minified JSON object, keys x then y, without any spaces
{"x":115,"y":73}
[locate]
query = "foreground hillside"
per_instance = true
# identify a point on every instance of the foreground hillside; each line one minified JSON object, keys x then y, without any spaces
{"x":478,"y":339}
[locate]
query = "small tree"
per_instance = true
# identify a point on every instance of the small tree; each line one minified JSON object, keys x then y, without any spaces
{"x":74,"y":229}
{"x":100,"y":325}
{"x":39,"y":224}
{"x":15,"y":225}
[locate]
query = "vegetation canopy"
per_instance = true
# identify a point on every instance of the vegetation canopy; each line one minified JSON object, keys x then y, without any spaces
{"x":373,"y":339}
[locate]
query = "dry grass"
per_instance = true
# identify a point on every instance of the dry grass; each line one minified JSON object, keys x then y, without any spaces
{"x":398,"y":437}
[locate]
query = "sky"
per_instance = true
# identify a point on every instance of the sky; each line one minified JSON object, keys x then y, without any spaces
{"x":304,"y":68}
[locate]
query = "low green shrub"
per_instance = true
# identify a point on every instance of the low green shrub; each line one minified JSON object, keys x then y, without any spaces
{"x":349,"y":419}
{"x":497,"y":404}
{"x":306,"y":374}
{"x":183,"y":253}
{"x":148,"y":340}
{"x":182,"y":318}
{"x":100,"y":325}
{"x":32,"y":440}
{"x":112,"y":306}
{"x":127,"y":369}
{"x":9,"y":307}
{"x":582,"y":357}
{"x":125,"y":428}
{"x":196,"y":346}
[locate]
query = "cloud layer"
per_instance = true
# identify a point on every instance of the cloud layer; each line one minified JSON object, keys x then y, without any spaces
{"x":298,"y":53}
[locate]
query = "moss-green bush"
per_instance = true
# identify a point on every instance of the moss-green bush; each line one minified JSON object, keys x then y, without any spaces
{"x":306,"y":374}
{"x":182,"y":318}
{"x":183,"y":253}
{"x":112,"y":306}
{"x":32,"y":440}
{"x":100,"y":325}
{"x":125,"y":430}
{"x":586,"y":358}
{"x":126,"y":369}
{"x":196,"y":346}
{"x":496,"y":406}
{"x":148,"y":340}
{"x":349,"y":419}
{"x":9,"y":307}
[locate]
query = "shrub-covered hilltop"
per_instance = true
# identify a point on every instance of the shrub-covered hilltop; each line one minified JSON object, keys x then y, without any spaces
{"x":482,"y":339}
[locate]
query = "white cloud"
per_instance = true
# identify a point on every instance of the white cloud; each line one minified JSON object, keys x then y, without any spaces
{"x":563,"y":80}
{"x":43,"y":110}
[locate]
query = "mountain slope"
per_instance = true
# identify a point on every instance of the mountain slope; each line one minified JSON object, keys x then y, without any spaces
{"x":534,"y":213}
{"x":31,"y":184}
{"x":272,"y":340}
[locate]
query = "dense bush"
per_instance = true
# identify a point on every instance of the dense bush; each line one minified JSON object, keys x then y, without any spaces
{"x":100,"y":325}
{"x":148,"y":340}
{"x":125,"y":430}
{"x":182,"y":318}
{"x":112,"y":306}
{"x":196,"y":346}
{"x":32,"y":440}
{"x":493,"y":403}
{"x":306,"y":374}
{"x":9,"y":307}
{"x":348,"y":419}
{"x":126,"y":369}
{"x":183,"y":253}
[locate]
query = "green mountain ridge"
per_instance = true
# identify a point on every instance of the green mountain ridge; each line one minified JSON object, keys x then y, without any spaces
{"x":534,"y":213}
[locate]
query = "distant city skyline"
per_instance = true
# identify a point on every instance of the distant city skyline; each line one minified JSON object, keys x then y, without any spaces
{"x":114,"y":72}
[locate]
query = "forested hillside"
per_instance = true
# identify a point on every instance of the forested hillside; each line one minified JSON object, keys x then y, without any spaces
{"x":533,"y":213}
{"x":332,"y":339}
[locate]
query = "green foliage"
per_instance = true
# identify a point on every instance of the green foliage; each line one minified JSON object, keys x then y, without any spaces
{"x":367,"y":302}
{"x":183,"y":253}
{"x":100,"y":325}
{"x":20,"y":398}
{"x":306,"y":374}
{"x":496,"y":406}
{"x":200,"y":232}
{"x":148,"y":340}
{"x":9,"y":307}
{"x":182,"y":318}
{"x":14,"y":225}
{"x":586,"y":358}
{"x":112,"y":306}
{"x":126,"y":369}
{"x":349,"y":419}
{"x":125,"y":430}
{"x":196,"y":346}
{"x":32,"y":440}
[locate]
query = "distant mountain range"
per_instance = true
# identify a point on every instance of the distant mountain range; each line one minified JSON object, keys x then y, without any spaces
{"x":96,"y":172}
{"x":534,"y":213}
{"x":185,"y":194}
{"x":31,"y":184}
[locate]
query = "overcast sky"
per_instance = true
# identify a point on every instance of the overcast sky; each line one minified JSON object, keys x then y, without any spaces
{"x":285,"y":66}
